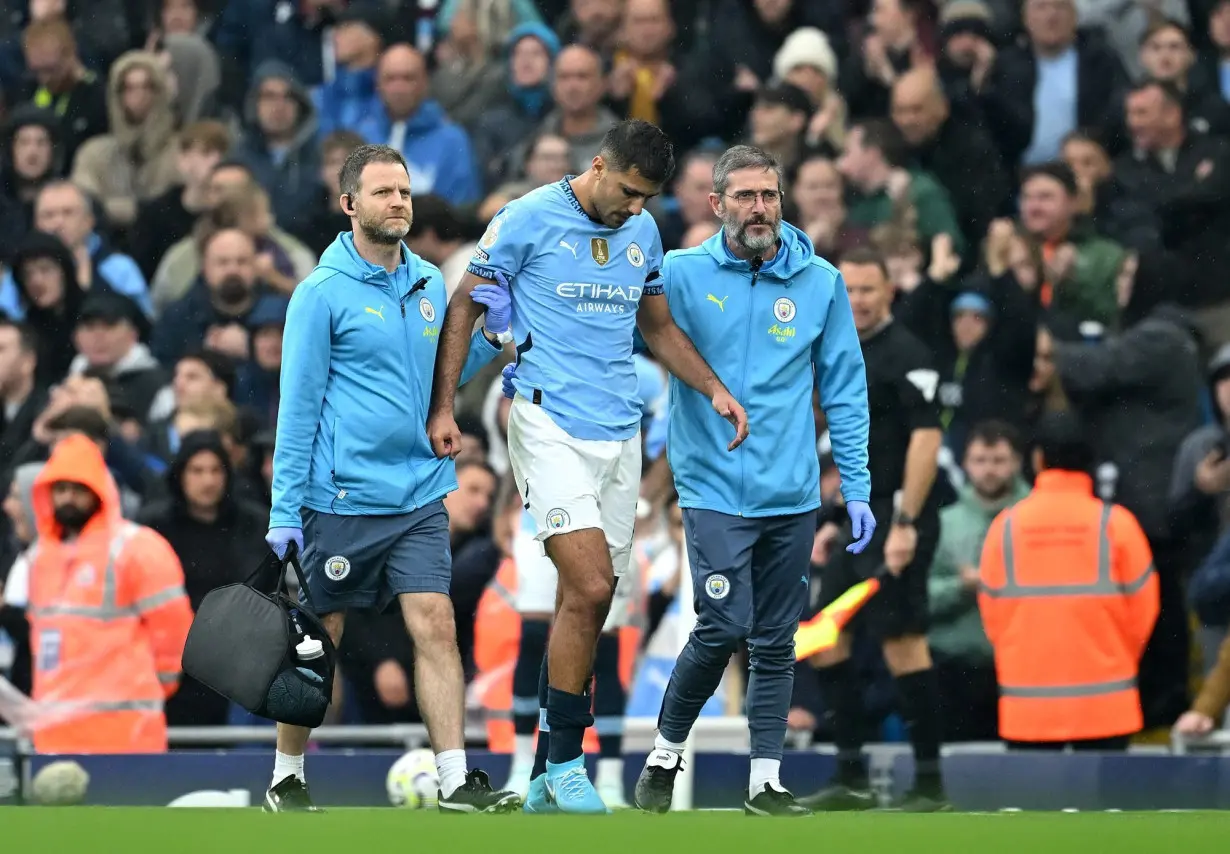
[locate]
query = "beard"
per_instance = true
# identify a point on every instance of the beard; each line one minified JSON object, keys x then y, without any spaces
{"x":378,"y":231}
{"x":72,"y":518}
{"x":756,"y":244}
{"x":232,"y":290}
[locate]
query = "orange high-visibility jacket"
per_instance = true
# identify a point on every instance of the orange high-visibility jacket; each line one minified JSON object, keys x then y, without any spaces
{"x":108,"y":619}
{"x":497,"y":638}
{"x":1068,"y":598}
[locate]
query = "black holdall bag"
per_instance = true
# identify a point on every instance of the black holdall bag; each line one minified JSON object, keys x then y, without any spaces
{"x":242,"y":645}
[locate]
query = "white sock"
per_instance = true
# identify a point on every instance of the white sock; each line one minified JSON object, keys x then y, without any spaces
{"x":523,"y":750}
{"x":451,"y":765}
{"x":611,"y":772}
{"x":660,"y":743}
{"x":764,"y":773}
{"x":285,"y":766}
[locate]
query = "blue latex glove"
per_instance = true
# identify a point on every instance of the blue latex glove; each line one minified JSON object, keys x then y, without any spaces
{"x":498,"y":302}
{"x":279,"y":538}
{"x":510,"y":371}
{"x":862,"y":524}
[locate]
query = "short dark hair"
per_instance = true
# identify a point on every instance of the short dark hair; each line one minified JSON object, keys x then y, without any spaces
{"x":358,"y":160}
{"x":1056,"y":170}
{"x":864,"y":255}
{"x":992,"y":432}
{"x":1064,"y":443}
{"x":1161,"y":24}
{"x":1168,"y":89}
{"x":883,"y":136}
{"x":635,"y":144}
{"x":27,"y":338}
{"x":82,"y":419}
{"x":220,"y":365}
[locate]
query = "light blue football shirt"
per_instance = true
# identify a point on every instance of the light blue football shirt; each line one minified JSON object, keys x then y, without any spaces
{"x":576,"y":285}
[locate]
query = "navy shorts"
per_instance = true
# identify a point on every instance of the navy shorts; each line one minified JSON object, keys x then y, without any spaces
{"x":367,"y":561}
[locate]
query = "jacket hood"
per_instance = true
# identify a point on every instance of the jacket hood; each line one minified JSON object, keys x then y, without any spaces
{"x":39,"y":244}
{"x":273,"y":69}
{"x":75,"y":459}
{"x":153,"y":135}
{"x":198,"y":74}
{"x":25,"y":116}
{"x":794,"y":252}
{"x":345,"y":259}
{"x":1219,"y":368}
{"x":532,"y":29}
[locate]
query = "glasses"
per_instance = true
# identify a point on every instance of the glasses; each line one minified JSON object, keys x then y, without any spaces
{"x":747,"y":198}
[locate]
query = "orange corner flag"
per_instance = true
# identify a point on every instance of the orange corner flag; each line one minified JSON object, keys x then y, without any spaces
{"x":820,"y":633}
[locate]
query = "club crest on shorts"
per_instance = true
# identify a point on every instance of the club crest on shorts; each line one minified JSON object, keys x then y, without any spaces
{"x":783,"y":310}
{"x":337,"y":567}
{"x":717,"y":587}
{"x":557,"y":518}
{"x":635,"y":256}
{"x":427,"y":309}
{"x":600,"y":250}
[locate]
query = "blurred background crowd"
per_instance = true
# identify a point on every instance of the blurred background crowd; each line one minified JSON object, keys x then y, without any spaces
{"x":1048,"y":179}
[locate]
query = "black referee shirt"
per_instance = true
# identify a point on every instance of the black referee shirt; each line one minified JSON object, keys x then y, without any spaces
{"x":901,"y":396}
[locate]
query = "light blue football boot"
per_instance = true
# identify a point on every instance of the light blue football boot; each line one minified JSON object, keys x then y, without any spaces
{"x":538,"y":801}
{"x":569,"y":786}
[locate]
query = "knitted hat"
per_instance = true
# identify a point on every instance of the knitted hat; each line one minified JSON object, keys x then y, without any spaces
{"x":805,"y":46}
{"x":965,"y":16}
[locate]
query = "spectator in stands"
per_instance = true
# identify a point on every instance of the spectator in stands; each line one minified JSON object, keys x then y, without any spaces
{"x":359,"y":37}
{"x":1184,"y":178}
{"x":894,"y":45}
{"x":15,"y":588}
{"x":45,"y":281}
{"x":818,"y":197}
{"x":257,"y":385}
{"x":1209,"y":708}
{"x":651,"y":80}
{"x":806,"y":60}
{"x":469,"y":75}
{"x":1166,"y":54}
{"x":1115,"y":213}
{"x":63,"y":210}
{"x":875,"y":165}
{"x":219,"y":540}
{"x":20,"y":392}
{"x":194,"y":73}
{"x":592,"y":23}
{"x":33,"y":155}
{"x":215,"y":312}
{"x":779,"y":117}
{"x":693,"y":183}
{"x":524,"y":102}
{"x":1215,"y":59}
{"x":108,"y":341}
{"x":324,"y":219}
{"x":437,"y":236}
{"x":76,"y":94}
{"x":279,"y":141}
{"x":1068,"y":597}
{"x":1073,"y":79}
{"x":964,"y":660}
{"x":201,"y":376}
{"x":976,"y":76}
{"x":945,"y":145}
{"x":182,"y":16}
{"x":1127,"y":26}
{"x":135,"y":162}
{"x":579,"y":115}
{"x":170,"y":217}
{"x":698,"y":234}
{"x":1081,"y":267}
{"x":437,"y":151}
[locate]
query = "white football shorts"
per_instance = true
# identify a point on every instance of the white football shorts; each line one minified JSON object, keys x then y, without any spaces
{"x":537,"y":577}
{"x":571,"y":484}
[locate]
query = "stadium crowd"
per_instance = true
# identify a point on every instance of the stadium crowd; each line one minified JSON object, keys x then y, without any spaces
{"x":1049,"y":181}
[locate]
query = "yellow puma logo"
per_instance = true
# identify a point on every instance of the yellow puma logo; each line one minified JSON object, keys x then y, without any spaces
{"x":721,"y":303}
{"x":379,"y":314}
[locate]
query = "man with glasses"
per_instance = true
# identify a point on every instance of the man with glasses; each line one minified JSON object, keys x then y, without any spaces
{"x":772,"y":317}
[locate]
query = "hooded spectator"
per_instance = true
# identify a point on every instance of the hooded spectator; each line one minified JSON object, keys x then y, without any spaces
{"x":279,"y":143}
{"x":22,"y":396}
{"x":136,"y":160}
{"x":33,"y":155}
{"x":219,"y":540}
{"x":194,"y":74}
{"x":806,"y":60}
{"x":526,"y":99}
{"x":45,"y":277}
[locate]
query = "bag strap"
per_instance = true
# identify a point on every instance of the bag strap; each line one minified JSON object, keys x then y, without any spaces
{"x":272,"y":563}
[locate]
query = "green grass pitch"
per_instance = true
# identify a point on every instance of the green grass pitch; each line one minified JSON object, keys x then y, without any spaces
{"x":375,"y":831}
